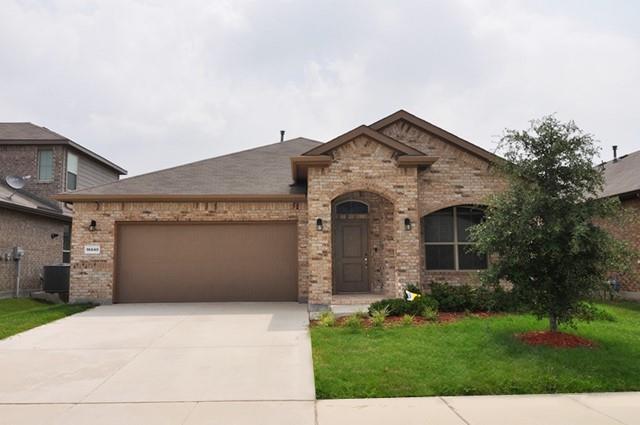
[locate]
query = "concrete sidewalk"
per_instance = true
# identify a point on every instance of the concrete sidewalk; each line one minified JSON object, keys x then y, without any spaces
{"x":566,"y":409}
{"x":569,"y":409}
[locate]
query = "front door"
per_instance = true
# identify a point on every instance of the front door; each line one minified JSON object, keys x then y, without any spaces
{"x":351,"y":272}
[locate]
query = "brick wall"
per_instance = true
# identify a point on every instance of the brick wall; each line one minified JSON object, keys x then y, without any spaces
{"x":457,"y":178}
{"x":33,"y":234}
{"x":92,"y":276}
{"x":362,"y":165}
{"x":23,"y":160}
{"x":628,"y":229}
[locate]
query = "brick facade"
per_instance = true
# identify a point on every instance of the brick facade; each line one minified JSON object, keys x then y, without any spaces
{"x":22,"y":160}
{"x":92,"y":276}
{"x":33,"y":234}
{"x":629,"y":230}
{"x":361,"y":169}
{"x":457,"y":178}
{"x":368,"y":166}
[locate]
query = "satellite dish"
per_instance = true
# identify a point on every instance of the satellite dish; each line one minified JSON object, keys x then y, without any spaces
{"x":15,"y":182}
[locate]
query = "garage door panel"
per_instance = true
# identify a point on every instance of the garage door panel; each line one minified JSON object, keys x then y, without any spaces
{"x":181,"y":262}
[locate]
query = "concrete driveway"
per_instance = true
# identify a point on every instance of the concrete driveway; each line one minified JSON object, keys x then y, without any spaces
{"x":197,"y":363}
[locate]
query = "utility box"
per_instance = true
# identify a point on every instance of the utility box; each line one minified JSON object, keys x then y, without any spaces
{"x":56,"y":280}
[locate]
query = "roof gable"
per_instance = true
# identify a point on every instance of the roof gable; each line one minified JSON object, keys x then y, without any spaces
{"x":26,"y":133}
{"x":363,"y":130}
{"x":426,"y":126}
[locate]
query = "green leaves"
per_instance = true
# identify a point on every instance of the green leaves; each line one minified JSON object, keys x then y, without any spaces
{"x":541,"y":233}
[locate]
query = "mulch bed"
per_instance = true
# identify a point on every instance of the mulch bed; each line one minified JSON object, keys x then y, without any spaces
{"x":554,"y":339}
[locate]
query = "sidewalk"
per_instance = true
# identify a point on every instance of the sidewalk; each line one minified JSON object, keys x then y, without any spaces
{"x":569,"y":409}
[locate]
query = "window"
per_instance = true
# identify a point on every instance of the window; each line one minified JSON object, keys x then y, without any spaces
{"x":45,"y":165}
{"x":447,"y":242}
{"x":72,"y":171}
{"x":66,"y":244}
{"x":352,"y":207}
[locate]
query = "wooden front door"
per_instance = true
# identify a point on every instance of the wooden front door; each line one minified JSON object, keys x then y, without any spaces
{"x":350,"y":258}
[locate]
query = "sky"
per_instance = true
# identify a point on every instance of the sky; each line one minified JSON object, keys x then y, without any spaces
{"x":153,"y":84}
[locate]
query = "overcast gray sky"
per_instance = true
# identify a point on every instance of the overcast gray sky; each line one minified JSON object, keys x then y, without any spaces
{"x":152,"y":84}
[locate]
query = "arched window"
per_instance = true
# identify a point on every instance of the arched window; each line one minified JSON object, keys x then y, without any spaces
{"x":352,"y":207}
{"x":446,"y":239}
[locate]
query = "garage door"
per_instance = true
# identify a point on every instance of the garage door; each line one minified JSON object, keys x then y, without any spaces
{"x":185,"y":262}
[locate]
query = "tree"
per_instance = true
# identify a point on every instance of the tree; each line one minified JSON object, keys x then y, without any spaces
{"x":541,"y":233}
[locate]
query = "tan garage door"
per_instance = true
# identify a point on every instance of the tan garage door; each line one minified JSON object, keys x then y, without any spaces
{"x":184,"y":262}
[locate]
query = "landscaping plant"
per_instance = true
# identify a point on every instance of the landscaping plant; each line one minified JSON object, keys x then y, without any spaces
{"x":378,"y":317}
{"x":541,"y":232}
{"x":407,"y":319}
{"x":353,"y":322}
{"x":327,"y":319}
{"x":400,"y":306}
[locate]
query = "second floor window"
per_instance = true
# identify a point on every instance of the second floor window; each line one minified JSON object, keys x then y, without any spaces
{"x":72,"y":171}
{"x":45,"y":165}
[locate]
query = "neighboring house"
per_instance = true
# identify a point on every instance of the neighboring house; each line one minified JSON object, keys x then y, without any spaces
{"x":30,"y":218}
{"x":347,"y":221}
{"x":622,"y":180}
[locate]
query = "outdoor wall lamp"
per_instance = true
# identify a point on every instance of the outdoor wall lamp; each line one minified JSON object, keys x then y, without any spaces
{"x":319,"y":225}
{"x":54,"y":235}
{"x":92,"y":226}
{"x":407,"y":224}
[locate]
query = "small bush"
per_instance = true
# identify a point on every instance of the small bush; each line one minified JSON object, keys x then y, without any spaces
{"x":400,"y":306}
{"x":379,"y":316}
{"x":362,"y":314}
{"x":327,"y":319}
{"x":430,"y":313}
{"x":589,"y":313}
{"x":353,"y":322}
{"x":407,"y":319}
{"x":462,"y":298}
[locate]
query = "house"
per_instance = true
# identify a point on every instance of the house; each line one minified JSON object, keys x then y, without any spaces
{"x":347,"y":221}
{"x":29,"y":218}
{"x":622,"y":180}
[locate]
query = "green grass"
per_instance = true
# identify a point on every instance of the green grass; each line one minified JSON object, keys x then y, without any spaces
{"x":476,"y":356}
{"x":19,"y":315}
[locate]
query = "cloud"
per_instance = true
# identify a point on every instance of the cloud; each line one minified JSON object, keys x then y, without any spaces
{"x":153,"y":84}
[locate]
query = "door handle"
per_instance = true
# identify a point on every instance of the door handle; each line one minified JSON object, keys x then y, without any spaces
{"x":366,"y":260}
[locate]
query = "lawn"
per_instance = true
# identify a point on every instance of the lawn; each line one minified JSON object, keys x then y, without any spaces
{"x":18,"y":315}
{"x":476,"y":356}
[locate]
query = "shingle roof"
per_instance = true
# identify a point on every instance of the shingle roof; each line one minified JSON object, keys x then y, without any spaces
{"x":262,"y":171}
{"x":26,"y":133}
{"x":622,"y":176}
{"x":21,"y":200}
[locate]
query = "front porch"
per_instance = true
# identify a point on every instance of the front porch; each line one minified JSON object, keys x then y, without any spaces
{"x":346,"y":304}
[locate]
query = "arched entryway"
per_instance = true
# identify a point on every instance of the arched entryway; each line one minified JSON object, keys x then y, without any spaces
{"x":363,"y":247}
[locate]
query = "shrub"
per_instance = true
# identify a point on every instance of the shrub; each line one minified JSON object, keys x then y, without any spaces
{"x":362,"y":314}
{"x":589,"y":313}
{"x":400,"y":306}
{"x":353,"y":322}
{"x":378,"y":317}
{"x":407,"y":319}
{"x":462,"y":298}
{"x":430,"y":313}
{"x":327,"y":319}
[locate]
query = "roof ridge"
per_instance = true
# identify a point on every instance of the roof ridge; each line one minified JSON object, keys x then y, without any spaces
{"x":192,"y":163}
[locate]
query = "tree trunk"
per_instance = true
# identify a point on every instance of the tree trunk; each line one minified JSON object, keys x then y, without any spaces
{"x":553,"y":322}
